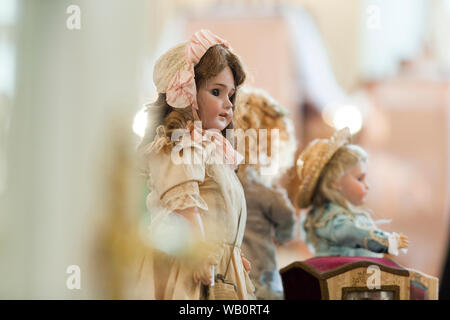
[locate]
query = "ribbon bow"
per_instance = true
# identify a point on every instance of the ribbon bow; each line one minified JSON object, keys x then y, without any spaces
{"x":182,"y":91}
{"x":227,"y":154}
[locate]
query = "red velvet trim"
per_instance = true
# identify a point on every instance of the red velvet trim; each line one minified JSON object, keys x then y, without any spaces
{"x":323,"y":264}
{"x":416,"y":292}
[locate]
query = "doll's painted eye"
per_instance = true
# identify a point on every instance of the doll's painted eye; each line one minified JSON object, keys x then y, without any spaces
{"x":215,"y":92}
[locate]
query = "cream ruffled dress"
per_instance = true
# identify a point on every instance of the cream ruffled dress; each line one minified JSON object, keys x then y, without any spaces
{"x":217,"y":192}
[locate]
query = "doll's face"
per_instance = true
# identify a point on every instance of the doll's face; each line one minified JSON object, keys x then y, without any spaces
{"x":215,"y":107}
{"x":353,"y":184}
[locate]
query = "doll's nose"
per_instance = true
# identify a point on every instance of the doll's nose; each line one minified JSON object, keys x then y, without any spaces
{"x":228,"y":104}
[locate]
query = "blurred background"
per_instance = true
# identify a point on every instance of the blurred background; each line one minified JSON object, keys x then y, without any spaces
{"x":74,"y":76}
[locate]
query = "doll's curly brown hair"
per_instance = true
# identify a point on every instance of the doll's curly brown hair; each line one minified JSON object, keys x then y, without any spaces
{"x":210,"y":65}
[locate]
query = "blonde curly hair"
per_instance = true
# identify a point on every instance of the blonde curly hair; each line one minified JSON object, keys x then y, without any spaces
{"x":256,"y":109}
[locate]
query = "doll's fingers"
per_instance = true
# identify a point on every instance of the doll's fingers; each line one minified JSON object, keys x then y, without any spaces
{"x":247,"y":264}
{"x":206,"y":279}
{"x":195,"y":276}
{"x":205,"y":275}
{"x":212,"y":260}
{"x":202,"y":276}
{"x":198,"y":278}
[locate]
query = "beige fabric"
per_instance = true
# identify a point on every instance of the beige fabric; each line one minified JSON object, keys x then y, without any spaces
{"x":185,"y":195}
{"x":162,"y":276}
{"x":168,"y":65}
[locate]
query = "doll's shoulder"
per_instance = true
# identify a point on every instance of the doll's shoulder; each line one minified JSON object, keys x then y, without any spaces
{"x":335,"y":208}
{"x":331,"y":211}
{"x":256,"y":187}
{"x":175,"y":161}
{"x":180,"y":148}
{"x":160,"y":144}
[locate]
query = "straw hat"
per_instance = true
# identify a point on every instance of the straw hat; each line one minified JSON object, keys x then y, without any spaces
{"x":313,"y":159}
{"x":168,"y":65}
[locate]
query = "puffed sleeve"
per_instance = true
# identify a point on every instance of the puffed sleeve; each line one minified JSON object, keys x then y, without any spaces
{"x":343,"y":230}
{"x":184,"y":195}
{"x":176,"y":175}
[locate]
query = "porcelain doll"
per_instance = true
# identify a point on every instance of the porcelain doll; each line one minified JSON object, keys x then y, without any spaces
{"x":270,"y":214}
{"x":333,"y":187}
{"x":196,"y":201}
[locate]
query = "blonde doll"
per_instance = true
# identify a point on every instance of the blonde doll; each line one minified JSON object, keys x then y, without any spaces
{"x":196,"y":201}
{"x":270,"y":215}
{"x":333,"y":186}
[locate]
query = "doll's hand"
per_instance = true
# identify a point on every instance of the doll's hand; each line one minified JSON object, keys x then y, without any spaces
{"x":402,"y":241}
{"x":203,"y":274}
{"x":246,"y":263}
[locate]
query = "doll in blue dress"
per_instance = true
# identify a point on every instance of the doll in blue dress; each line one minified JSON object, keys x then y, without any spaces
{"x":333,"y":188}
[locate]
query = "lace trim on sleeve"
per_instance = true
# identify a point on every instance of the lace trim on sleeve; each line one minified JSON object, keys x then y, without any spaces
{"x":183,"y":196}
{"x":380,"y":236}
{"x":158,"y":142}
{"x":393,"y":244}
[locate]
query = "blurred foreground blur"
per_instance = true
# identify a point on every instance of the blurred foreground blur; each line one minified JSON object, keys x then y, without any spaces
{"x":75,"y":74}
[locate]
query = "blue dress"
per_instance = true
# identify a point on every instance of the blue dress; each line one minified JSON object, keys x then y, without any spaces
{"x":333,"y":230}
